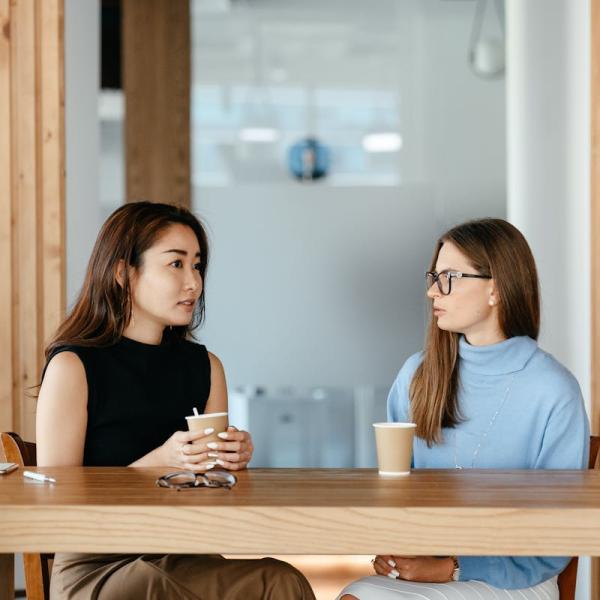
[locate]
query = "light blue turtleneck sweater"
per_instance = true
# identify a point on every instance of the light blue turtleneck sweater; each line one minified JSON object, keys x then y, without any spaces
{"x":540,"y":423}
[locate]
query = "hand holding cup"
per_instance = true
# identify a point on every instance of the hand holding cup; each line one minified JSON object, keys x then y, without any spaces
{"x":227,"y":446}
{"x":233,"y":451}
{"x":189,"y":450}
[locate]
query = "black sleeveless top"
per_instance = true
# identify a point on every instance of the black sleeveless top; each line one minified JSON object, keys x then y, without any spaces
{"x":139,"y":395}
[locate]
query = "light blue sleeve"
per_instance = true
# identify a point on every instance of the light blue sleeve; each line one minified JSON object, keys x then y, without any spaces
{"x":511,"y":572}
{"x":398,"y":403}
{"x":565,"y":445}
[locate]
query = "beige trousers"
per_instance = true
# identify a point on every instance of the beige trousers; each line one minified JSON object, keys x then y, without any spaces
{"x":178,"y":576}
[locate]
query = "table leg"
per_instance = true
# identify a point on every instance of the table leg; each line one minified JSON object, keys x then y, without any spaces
{"x":7,"y":576}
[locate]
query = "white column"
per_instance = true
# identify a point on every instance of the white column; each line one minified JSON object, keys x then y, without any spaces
{"x":548,"y":152}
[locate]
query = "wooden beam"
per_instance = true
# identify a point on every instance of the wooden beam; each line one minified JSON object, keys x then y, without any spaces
{"x":24,"y":107}
{"x":6,"y":230}
{"x":156,"y":81}
{"x":32,"y":294}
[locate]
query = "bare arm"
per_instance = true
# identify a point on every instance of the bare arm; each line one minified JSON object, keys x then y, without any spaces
{"x":236,"y":449}
{"x":61,"y":418}
{"x":217,"y":398}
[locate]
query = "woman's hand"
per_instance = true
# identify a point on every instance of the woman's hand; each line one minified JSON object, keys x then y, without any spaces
{"x":428,"y":569}
{"x":234,"y":452}
{"x":188,"y":450}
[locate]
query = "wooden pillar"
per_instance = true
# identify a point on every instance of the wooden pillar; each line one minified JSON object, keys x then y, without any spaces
{"x":32,"y":263}
{"x":156,"y":82}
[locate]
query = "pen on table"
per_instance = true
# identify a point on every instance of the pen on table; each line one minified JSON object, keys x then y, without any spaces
{"x":38,"y":476}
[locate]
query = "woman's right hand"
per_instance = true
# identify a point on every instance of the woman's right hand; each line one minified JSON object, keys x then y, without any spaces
{"x":187,"y":450}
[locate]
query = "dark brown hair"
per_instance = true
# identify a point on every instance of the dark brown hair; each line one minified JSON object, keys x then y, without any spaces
{"x":496,"y":248}
{"x":103,"y":307}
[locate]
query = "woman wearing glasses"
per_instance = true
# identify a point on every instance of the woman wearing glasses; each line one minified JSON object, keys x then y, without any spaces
{"x":482,"y":395}
{"x":121,"y":375}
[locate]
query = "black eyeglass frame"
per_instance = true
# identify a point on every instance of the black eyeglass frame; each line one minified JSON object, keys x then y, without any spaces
{"x":210,"y":479}
{"x":451,"y":275}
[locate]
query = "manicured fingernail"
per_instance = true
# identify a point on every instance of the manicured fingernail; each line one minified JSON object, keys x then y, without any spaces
{"x":208,"y":430}
{"x":224,"y":435}
{"x":216,"y":455}
{"x":393,"y":574}
{"x":390,"y":562}
{"x":220,"y":462}
{"x":212,"y":445}
{"x":209,"y":465}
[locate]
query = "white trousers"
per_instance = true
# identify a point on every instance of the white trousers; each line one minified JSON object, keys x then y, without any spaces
{"x":379,"y":587}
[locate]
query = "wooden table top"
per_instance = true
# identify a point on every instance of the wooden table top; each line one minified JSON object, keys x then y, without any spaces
{"x":305,"y":511}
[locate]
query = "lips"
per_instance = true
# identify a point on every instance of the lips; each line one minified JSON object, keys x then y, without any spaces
{"x":187,"y":304}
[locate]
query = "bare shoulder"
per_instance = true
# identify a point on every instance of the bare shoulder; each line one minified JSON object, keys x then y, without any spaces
{"x":65,"y":364}
{"x":216,"y":365}
{"x":64,"y":378}
{"x":61,"y":416}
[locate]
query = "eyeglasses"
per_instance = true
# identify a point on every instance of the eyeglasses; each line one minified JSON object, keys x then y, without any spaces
{"x":181,"y":480}
{"x":444,"y":279}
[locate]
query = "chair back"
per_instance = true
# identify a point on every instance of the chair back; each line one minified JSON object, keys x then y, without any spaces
{"x":37,"y":567}
{"x":567,"y":580}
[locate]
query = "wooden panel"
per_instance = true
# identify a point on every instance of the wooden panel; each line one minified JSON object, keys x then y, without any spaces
{"x":25,"y":178}
{"x":32,"y":295}
{"x":305,"y":511}
{"x":156,"y":81}
{"x":6,"y":218}
{"x":52,"y":176}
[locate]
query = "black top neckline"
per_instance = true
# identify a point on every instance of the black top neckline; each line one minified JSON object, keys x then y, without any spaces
{"x":142,"y":346}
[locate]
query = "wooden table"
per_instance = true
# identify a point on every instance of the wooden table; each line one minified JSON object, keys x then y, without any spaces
{"x":304,"y":511}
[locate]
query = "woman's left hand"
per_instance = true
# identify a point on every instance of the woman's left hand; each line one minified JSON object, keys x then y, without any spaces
{"x":428,"y":569}
{"x":234,"y":452}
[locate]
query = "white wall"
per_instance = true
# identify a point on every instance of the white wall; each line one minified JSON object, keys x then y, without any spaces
{"x":548,"y":121}
{"x":321,"y":285}
{"x":311,"y":286}
{"x":82,"y":77}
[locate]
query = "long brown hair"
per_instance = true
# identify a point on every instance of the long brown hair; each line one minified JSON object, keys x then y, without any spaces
{"x":103,"y":307}
{"x":496,"y":248}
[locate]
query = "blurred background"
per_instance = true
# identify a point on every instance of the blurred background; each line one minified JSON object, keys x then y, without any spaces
{"x":315,"y":291}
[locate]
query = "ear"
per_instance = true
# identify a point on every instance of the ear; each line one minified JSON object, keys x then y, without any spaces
{"x":494,"y":299}
{"x":120,"y":273}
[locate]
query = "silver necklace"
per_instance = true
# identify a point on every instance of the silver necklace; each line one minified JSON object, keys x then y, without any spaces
{"x":484,"y":435}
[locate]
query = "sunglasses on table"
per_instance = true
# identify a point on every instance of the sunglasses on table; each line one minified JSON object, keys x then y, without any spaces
{"x":183,"y":480}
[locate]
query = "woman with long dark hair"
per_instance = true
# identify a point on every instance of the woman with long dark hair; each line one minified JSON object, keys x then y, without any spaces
{"x":482,"y":395}
{"x":121,"y":374}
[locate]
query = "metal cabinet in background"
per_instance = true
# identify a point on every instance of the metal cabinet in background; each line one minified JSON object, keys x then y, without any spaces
{"x":322,"y":427}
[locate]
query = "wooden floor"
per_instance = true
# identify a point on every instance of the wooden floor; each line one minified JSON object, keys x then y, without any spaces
{"x":329,"y":574}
